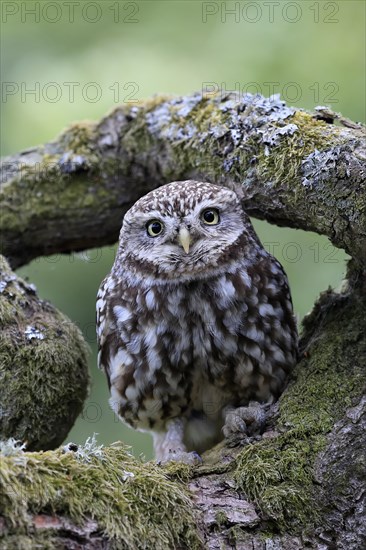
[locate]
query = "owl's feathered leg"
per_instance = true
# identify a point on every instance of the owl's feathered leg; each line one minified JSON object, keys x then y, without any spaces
{"x":169,"y":445}
{"x":245,"y":421}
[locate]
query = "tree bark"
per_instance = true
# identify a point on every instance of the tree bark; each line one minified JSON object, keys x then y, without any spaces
{"x":294,"y":168}
{"x":303,"y":484}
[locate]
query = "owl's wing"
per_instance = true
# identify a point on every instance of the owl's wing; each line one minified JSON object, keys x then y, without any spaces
{"x":102,"y":325}
{"x":113,"y":308}
{"x":268,"y":325}
{"x":276,"y":310}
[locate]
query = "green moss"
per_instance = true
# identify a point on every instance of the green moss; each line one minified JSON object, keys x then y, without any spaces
{"x":221,"y":518}
{"x":207,"y":122}
{"x":237,"y":538}
{"x":277,"y":474}
{"x":32,"y":542}
{"x":43,"y":366}
{"x":283,"y":163}
{"x":179,"y":470}
{"x":79,"y":138}
{"x":176,"y":129}
{"x":135,"y":504}
{"x":44,"y":187}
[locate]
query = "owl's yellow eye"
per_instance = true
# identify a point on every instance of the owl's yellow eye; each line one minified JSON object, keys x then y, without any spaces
{"x":210,"y":216}
{"x":154,"y":228}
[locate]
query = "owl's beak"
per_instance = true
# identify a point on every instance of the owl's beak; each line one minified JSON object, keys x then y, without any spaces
{"x":184,"y":238}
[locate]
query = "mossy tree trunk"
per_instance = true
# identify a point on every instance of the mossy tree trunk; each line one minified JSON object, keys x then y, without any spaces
{"x":303,"y":485}
{"x":295,"y":168}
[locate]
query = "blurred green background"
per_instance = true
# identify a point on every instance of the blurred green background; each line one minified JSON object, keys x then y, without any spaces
{"x":67,"y":61}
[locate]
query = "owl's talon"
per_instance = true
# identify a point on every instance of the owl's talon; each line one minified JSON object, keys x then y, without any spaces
{"x":177,"y":455}
{"x":237,"y":440}
{"x":197,"y":457}
{"x":244,"y":421}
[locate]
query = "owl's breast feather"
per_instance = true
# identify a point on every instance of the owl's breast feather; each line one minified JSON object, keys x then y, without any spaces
{"x":180,"y":340}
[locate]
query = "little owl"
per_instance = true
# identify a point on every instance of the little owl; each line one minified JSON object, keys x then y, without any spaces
{"x":195,"y":323}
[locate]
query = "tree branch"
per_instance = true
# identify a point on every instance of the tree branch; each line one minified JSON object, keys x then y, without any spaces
{"x":295,"y":168}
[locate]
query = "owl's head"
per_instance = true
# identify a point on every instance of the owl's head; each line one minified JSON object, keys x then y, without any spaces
{"x":183,"y":229}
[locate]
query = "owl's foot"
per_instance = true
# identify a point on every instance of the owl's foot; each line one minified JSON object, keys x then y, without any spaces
{"x":169,"y":445}
{"x":243,"y":423}
{"x":178,"y":455}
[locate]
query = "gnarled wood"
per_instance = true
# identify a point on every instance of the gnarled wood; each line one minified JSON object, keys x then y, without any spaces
{"x":294,"y":168}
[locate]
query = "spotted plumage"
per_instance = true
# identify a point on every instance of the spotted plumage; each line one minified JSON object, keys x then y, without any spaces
{"x":195,"y":324}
